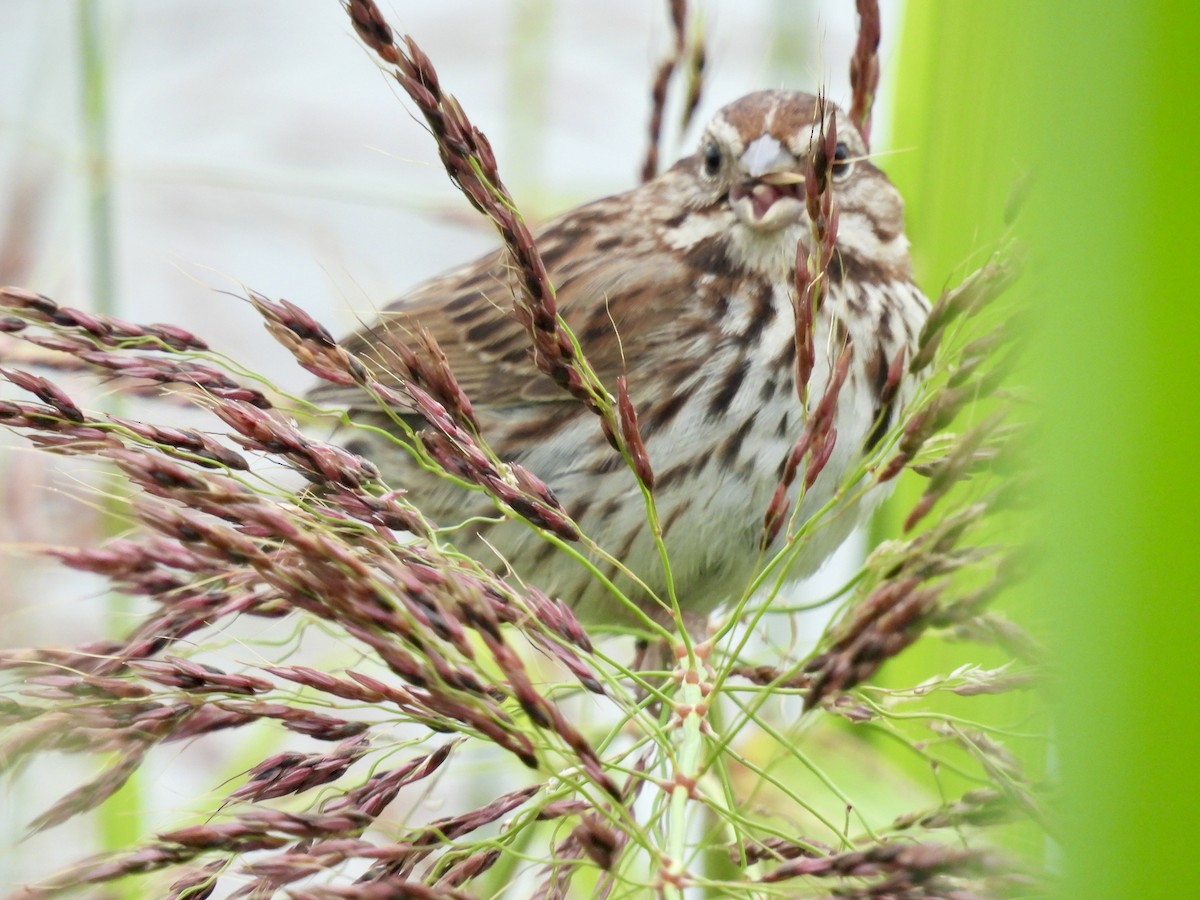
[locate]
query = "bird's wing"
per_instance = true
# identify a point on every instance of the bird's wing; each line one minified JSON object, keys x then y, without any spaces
{"x":616,"y":288}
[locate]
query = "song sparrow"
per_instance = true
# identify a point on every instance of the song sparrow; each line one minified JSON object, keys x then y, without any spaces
{"x":685,"y":285}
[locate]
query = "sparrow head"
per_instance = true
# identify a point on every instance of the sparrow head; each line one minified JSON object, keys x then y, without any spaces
{"x":755,"y":151}
{"x":753,"y":158}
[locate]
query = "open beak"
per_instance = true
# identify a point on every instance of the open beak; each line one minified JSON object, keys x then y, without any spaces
{"x":782,"y":178}
{"x":771,"y":194}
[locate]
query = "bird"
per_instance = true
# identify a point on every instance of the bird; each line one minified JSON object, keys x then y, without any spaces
{"x":685,"y":285}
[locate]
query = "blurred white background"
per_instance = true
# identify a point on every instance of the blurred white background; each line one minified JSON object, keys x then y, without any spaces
{"x":258,"y":145}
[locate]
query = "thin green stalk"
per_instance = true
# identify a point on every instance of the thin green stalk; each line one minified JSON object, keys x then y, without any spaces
{"x":121,"y":820}
{"x":691,"y":706}
{"x":528,"y":82}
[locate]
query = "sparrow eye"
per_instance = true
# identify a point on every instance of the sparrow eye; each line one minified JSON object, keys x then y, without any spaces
{"x":712,"y":158}
{"x":841,"y":165}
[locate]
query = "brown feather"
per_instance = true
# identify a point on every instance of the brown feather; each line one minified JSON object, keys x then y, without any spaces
{"x":685,"y":286}
{"x":622,"y":301}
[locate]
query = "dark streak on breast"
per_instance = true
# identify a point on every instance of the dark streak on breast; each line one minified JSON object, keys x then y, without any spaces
{"x":762,"y":313}
{"x":663,"y":480}
{"x":627,"y":545}
{"x":661,"y":414}
{"x":579,"y":510}
{"x":732,"y":445}
{"x":719,"y":404}
{"x":838,"y":334}
{"x":787,"y":354}
{"x":884,"y":327}
{"x":862,"y":271}
{"x":836,"y":273}
{"x":532,"y":431}
{"x":709,"y":255}
{"x":607,"y":464}
{"x":609,"y":508}
{"x":877,"y":371}
{"x":675,"y":515}
{"x":544,"y":553}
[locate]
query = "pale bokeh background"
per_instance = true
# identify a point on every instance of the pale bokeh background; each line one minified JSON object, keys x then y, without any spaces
{"x":259,"y":145}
